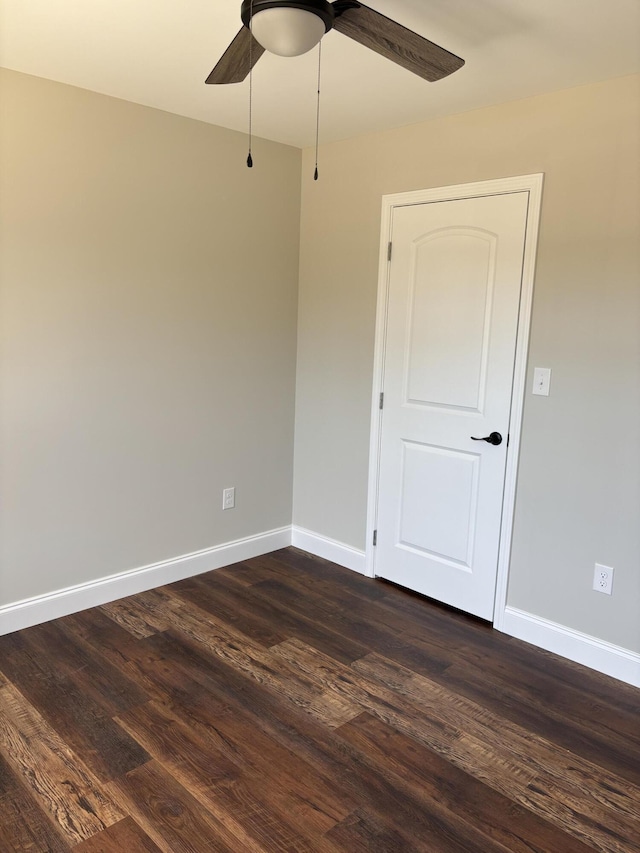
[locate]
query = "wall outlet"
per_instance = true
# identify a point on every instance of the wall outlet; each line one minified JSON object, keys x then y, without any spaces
{"x":229,"y":498}
{"x":603,"y":579}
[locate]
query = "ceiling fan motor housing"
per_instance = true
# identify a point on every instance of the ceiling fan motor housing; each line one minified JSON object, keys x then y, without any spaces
{"x":321,"y":8}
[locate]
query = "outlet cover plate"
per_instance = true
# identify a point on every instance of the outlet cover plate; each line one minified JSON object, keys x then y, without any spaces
{"x":603,"y":579}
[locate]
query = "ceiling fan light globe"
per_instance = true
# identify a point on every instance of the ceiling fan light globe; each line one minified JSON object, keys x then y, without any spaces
{"x":287,"y":31}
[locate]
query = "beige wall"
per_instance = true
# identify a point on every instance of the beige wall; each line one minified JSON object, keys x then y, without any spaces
{"x":147,"y":336}
{"x":578,"y":497}
{"x":148,"y":311}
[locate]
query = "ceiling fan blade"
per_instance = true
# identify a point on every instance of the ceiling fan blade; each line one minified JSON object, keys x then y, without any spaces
{"x":393,"y":41}
{"x":234,"y":65}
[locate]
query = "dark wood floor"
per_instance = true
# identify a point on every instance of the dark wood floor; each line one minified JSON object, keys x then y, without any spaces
{"x":285,"y":704}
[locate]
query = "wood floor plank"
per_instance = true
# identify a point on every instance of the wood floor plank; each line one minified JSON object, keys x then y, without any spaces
{"x":171,"y":816}
{"x":138,"y":660}
{"x":248,"y":572}
{"x":347,"y":624}
{"x":23,"y":824}
{"x":225,"y":600}
{"x":465,"y":645}
{"x":364,"y":832}
{"x":59,"y":782}
{"x":316,"y":570}
{"x":540,"y":755}
{"x":309,"y":630}
{"x":583,"y":794}
{"x":444,"y":647}
{"x":87,"y":670}
{"x":139,"y":614}
{"x":303,"y":735}
{"x":273,"y":672}
{"x":99,"y":742}
{"x":177,"y":745}
{"x":153,"y":662}
{"x":211,"y":778}
{"x":571,"y":692}
{"x":473,"y":738}
{"x":384,"y":696}
{"x":105,"y":637}
{"x":223,"y":712}
{"x":504,"y":653}
{"x":457,"y":795}
{"x":123,"y":837}
{"x":24,"y":829}
{"x":235,"y":603}
{"x":616,"y":750}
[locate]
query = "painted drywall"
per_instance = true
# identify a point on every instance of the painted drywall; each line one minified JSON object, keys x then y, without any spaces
{"x":578,"y":499}
{"x":148,"y":331}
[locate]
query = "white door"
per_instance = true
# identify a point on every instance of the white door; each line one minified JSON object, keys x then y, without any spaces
{"x":452,"y":317}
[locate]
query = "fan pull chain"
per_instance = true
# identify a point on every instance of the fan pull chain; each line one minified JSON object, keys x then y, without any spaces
{"x":250,"y":158}
{"x":315,"y":174}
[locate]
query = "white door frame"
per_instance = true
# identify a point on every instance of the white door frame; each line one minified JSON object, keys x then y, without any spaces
{"x":523,"y":183}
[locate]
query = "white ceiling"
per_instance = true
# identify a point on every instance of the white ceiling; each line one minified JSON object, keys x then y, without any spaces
{"x":158,"y":53}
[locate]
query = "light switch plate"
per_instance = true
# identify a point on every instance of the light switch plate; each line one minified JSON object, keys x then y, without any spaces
{"x":541,"y":381}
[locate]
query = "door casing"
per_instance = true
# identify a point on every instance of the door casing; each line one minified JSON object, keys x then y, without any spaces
{"x":523,"y":183}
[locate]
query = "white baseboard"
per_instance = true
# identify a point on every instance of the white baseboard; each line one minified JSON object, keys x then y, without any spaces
{"x":42,"y":608}
{"x":329,"y":549}
{"x":582,"y":648}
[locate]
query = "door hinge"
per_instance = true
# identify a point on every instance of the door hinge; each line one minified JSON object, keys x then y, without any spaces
{"x":389,"y":250}
{"x":381,"y":399}
{"x":375,"y":537}
{"x":507,"y":440}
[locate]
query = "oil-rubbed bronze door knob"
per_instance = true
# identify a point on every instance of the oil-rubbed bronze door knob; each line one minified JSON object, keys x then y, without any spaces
{"x":492,"y":438}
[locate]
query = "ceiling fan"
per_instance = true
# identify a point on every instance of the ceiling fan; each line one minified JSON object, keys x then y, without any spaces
{"x":292,"y":27}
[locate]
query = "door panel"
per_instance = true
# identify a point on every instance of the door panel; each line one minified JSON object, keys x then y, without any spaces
{"x":454,"y":291}
{"x":438,"y":523}
{"x":448,"y":322}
